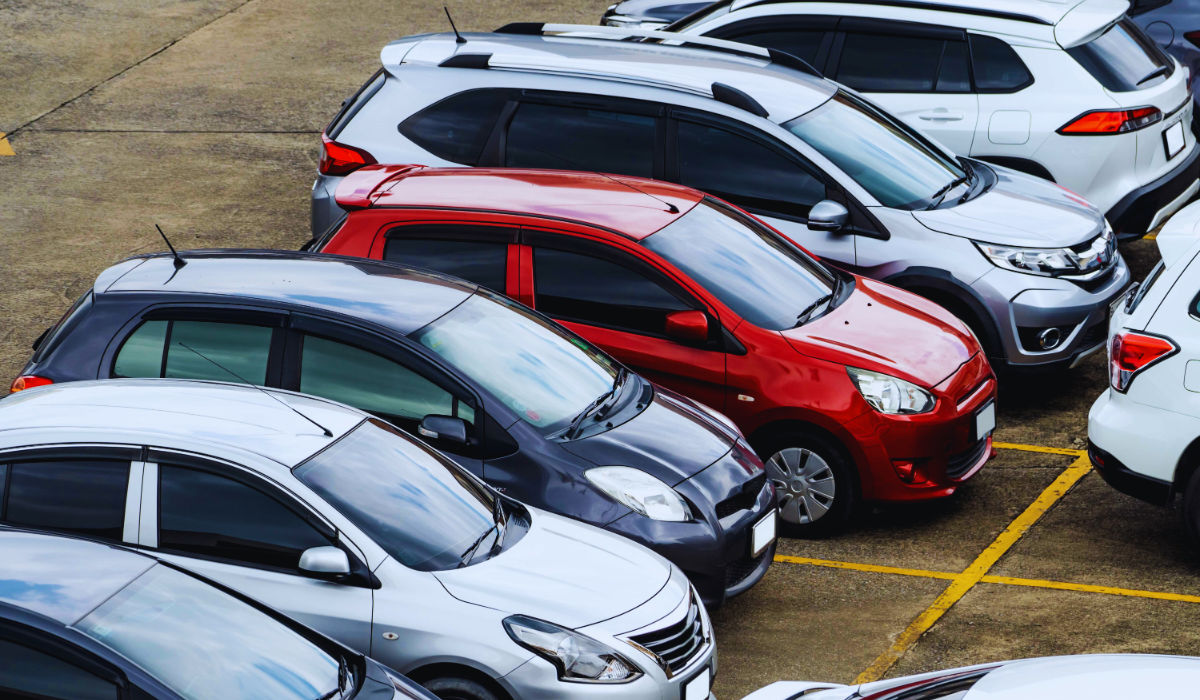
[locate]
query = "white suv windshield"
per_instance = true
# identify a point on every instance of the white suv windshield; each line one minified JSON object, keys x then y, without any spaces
{"x":207,"y":645}
{"x":883,"y":156}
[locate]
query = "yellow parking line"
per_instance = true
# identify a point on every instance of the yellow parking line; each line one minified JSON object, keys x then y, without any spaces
{"x":6,"y":148}
{"x":1038,"y":448}
{"x":1150,"y":236}
{"x":964,"y":582}
{"x":1085,"y":588}
{"x":864,"y":567}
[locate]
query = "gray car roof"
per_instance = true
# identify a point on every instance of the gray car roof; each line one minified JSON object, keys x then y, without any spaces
{"x":402,"y":298}
{"x":63,"y":578}
{"x":784,"y":92}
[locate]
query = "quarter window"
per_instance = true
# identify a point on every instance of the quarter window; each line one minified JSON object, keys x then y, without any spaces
{"x":887,"y":63}
{"x":242,"y":350}
{"x":997,"y":67}
{"x":745,"y":172}
{"x":589,"y":290}
{"x":573,"y":138}
{"x":458,"y":127}
{"x":29,"y":673}
{"x":86,"y":497}
{"x":214,"y":516}
{"x":483,"y":263}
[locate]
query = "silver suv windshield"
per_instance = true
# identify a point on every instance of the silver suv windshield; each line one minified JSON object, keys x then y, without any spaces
{"x":883,"y":156}
{"x":207,"y":645}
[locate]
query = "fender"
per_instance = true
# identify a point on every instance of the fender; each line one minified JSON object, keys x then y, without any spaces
{"x":791,"y":414}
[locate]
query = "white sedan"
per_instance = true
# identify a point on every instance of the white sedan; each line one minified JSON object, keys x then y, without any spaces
{"x":1094,"y":677}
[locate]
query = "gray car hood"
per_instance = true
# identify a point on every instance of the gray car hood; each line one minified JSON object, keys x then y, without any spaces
{"x":1020,"y":210}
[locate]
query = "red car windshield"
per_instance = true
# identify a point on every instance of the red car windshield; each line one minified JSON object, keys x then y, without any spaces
{"x":752,"y":270}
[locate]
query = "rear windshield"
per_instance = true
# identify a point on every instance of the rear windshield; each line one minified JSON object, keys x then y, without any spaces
{"x":351,"y":106}
{"x":1124,"y":59}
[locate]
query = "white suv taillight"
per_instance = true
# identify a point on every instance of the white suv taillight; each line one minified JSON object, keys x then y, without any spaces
{"x":1131,"y":353}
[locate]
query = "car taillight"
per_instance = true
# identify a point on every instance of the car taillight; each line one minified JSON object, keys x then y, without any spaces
{"x":28,"y":381}
{"x":1131,"y":353}
{"x":1113,"y":121}
{"x":339,"y":159}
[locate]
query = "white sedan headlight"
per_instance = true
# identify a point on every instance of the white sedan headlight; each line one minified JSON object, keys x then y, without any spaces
{"x":577,"y":657}
{"x":888,"y":394}
{"x":640,"y":492}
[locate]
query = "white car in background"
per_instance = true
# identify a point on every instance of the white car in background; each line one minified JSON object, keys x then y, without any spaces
{"x":1144,"y":431}
{"x":1090,"y":677}
{"x":1071,"y":91}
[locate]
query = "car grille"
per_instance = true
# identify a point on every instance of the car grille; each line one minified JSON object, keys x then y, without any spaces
{"x":962,"y":462}
{"x":745,"y":499}
{"x":679,"y":643}
{"x":737,"y":571}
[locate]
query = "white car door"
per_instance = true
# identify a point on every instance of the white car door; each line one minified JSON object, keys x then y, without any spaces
{"x":248,"y":534}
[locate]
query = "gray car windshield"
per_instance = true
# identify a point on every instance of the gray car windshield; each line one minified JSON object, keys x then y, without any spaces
{"x":207,"y":645}
{"x":544,"y":375}
{"x":752,"y":270}
{"x":883,"y":156}
{"x":421,"y":508}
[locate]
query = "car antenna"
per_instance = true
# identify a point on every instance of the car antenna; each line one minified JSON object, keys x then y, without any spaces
{"x":179,"y":261}
{"x":244,"y":381}
{"x":458,"y":38}
{"x":670,"y":207}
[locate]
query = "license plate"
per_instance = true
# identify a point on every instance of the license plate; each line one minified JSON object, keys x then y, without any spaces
{"x":985,"y":420}
{"x":762,"y":534}
{"x":698,"y":687}
{"x":1173,"y":139}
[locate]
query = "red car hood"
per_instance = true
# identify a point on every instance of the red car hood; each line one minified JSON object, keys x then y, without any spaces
{"x":886,"y":329}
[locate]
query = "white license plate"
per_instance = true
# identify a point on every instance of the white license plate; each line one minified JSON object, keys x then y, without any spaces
{"x":762,"y":534}
{"x":697,"y":688}
{"x":1173,"y":139}
{"x":985,"y":421}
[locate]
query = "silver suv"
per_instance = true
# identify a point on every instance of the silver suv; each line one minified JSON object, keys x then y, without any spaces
{"x":1029,"y":266}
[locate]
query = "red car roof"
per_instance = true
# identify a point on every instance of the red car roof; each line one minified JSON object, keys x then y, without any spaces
{"x":609,"y":201}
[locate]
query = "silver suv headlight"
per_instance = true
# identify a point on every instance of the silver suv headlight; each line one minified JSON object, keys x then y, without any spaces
{"x":641,"y":492}
{"x":892,"y":395}
{"x":1082,"y":264}
{"x":578,"y":657}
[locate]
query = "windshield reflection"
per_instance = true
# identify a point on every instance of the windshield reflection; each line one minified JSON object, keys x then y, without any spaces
{"x":207,"y":645}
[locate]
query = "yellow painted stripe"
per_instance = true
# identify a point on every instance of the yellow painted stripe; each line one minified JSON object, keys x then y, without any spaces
{"x":1038,"y":448}
{"x":6,"y":148}
{"x":864,"y":567}
{"x":1085,"y":588}
{"x":1151,"y":236}
{"x":965,"y":581}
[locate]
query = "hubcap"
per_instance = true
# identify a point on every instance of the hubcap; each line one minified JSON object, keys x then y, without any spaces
{"x":804,"y":484}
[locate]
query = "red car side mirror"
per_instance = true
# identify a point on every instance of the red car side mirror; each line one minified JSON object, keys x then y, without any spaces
{"x":687,"y":325}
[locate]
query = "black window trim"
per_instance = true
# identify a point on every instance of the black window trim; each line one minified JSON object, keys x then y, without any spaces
{"x":995,"y":91}
{"x":74,"y":653}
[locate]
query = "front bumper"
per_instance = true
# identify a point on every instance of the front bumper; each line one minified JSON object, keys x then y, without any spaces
{"x":1138,"y":212}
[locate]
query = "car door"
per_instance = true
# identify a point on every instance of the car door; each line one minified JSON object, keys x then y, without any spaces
{"x":755,"y":172}
{"x":620,"y":302}
{"x":248,"y":533}
{"x":917,"y":72}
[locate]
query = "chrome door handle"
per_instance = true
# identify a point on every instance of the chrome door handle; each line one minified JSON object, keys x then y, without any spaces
{"x":941,"y":116}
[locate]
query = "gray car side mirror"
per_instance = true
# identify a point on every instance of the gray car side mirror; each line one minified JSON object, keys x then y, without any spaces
{"x":443,"y":428}
{"x":325,"y":560}
{"x":827,"y":215}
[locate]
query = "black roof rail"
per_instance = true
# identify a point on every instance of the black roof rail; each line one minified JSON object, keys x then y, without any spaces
{"x":920,"y":5}
{"x":736,"y":98}
{"x":467,"y":60}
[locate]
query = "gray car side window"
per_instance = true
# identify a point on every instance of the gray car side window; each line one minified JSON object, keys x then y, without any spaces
{"x":31,"y":673}
{"x":566,"y":137}
{"x":81,"y":496}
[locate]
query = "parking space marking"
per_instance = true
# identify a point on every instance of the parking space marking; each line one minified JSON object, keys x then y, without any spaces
{"x":1038,"y":448}
{"x":961,"y":584}
{"x":6,"y":148}
{"x":1085,"y":588}
{"x":865,"y":567}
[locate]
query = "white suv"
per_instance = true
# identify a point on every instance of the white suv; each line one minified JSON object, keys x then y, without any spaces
{"x":1144,"y":431}
{"x":1073,"y":92}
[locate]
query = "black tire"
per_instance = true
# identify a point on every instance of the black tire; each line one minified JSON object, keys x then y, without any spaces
{"x":459,"y":688}
{"x":1191,"y":509}
{"x":796,"y":448}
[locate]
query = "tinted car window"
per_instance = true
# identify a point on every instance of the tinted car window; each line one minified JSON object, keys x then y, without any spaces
{"x":753,"y":271}
{"x":211,"y":515}
{"x":200,"y":349}
{"x":418,"y":506}
{"x":590,"y":290}
{"x":886,"y":63}
{"x":86,"y":497}
{"x":482,"y":263}
{"x":953,"y":75}
{"x":29,"y":673}
{"x":745,"y":172}
{"x":457,"y":128}
{"x":997,"y":67}
{"x":571,"y":138}
{"x":352,"y":106}
{"x":142,"y":353}
{"x":1124,"y":59}
{"x":801,"y":43}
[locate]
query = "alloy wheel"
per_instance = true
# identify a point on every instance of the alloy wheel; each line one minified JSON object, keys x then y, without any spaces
{"x":804,"y":484}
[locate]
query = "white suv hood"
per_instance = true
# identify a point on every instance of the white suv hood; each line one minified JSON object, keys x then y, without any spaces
{"x":563,"y":572}
{"x":1020,"y":210}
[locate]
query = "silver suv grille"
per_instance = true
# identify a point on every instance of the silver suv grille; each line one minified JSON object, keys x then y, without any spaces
{"x":677,"y":644}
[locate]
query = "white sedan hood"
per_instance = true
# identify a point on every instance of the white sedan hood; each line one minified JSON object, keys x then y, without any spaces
{"x":1093,"y":676}
{"x":1020,"y":210}
{"x":563,"y":572}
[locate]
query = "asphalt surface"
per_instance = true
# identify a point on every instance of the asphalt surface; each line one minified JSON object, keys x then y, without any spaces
{"x":203,"y":116}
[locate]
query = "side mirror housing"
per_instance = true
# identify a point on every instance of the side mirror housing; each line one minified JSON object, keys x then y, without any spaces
{"x":443,"y":428}
{"x":828,"y":215}
{"x":325,"y":560}
{"x":687,"y":325}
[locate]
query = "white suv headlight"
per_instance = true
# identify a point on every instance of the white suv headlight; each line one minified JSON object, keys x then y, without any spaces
{"x":577,"y":657}
{"x":641,"y":492}
{"x":888,"y":394}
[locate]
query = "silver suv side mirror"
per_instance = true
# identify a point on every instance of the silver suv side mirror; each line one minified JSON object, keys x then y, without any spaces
{"x":827,"y":215}
{"x":325,"y":560}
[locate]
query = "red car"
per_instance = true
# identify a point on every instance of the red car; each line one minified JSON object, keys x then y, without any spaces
{"x":850,"y":389}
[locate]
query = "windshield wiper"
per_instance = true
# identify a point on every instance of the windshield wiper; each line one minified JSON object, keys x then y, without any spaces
{"x":501,"y":522}
{"x":468,"y":555}
{"x":343,"y":673}
{"x":940,"y":194}
{"x":1161,"y":70}
{"x":802,"y":318}
{"x":600,"y":401}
